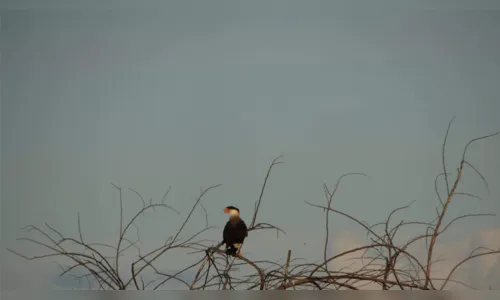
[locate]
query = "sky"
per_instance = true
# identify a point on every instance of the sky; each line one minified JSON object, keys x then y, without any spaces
{"x":192,"y":97}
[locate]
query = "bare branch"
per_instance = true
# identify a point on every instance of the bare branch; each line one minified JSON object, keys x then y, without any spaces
{"x":443,"y":156}
{"x":257,"y":204}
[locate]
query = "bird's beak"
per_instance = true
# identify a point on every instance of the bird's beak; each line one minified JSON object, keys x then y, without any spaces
{"x":226,"y":210}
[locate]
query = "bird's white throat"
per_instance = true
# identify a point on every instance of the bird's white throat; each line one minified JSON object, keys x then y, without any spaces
{"x":233,"y":213}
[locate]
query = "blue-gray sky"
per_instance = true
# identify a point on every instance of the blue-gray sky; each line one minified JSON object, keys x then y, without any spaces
{"x":194,"y":97}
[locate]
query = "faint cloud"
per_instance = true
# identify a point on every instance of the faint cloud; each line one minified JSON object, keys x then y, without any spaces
{"x":482,"y":272}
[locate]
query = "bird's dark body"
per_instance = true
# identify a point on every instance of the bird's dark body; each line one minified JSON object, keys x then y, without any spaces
{"x":234,"y":232}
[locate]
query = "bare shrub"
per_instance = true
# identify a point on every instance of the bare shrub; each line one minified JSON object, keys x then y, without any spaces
{"x":385,"y":264}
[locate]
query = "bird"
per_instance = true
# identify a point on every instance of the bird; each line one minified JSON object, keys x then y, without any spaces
{"x":234,"y":232}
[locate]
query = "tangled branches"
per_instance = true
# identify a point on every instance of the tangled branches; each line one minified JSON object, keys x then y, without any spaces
{"x":385,"y":263}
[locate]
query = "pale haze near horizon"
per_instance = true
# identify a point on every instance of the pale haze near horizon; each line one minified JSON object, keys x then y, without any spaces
{"x":189,"y":99}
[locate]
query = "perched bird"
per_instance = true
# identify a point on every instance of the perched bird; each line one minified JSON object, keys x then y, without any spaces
{"x":234,"y":232}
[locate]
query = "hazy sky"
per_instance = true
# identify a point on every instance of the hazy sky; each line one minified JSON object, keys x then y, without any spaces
{"x":194,"y":97}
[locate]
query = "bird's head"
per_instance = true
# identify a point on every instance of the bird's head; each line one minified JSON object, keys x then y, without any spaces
{"x":232,"y":211}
